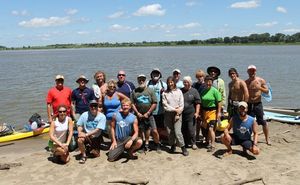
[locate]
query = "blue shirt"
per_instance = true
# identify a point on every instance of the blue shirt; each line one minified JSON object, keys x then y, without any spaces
{"x":82,"y":99}
{"x":111,"y":106}
{"x":126,"y":88}
{"x":90,"y":122}
{"x":124,"y":125}
{"x":179,"y":84}
{"x":158,"y":88}
{"x":243,"y":129}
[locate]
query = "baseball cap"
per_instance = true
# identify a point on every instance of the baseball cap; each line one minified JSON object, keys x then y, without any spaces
{"x":57,"y":77}
{"x":252,"y":67}
{"x":244,"y":104}
{"x":141,"y":76}
{"x":82,"y":77}
{"x":176,"y":70}
{"x":93,"y":102}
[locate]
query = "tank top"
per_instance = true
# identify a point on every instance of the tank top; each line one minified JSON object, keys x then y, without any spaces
{"x":243,"y":129}
{"x":124,"y":125}
{"x":111,"y":105}
{"x":61,"y":129}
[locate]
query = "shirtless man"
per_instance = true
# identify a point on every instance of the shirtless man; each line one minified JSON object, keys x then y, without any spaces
{"x":256,"y":86}
{"x":237,"y":92}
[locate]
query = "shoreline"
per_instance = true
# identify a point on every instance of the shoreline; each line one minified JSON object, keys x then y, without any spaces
{"x":276,"y":164}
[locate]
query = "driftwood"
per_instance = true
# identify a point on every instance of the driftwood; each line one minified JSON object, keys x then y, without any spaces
{"x":133,"y":182}
{"x":286,"y":131}
{"x":7,"y":166}
{"x":241,"y":182}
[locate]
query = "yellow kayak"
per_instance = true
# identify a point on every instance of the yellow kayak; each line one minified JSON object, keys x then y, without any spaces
{"x":23,"y":135}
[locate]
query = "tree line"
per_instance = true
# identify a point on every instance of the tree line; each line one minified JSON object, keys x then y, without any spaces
{"x":264,"y":38}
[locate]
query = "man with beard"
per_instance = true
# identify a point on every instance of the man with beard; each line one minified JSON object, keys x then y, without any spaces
{"x":144,"y":103}
{"x":100,"y":86}
{"x":243,"y":126}
{"x":256,"y":86}
{"x":237,"y":92}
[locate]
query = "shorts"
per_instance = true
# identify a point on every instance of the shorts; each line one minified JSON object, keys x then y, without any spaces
{"x":159,"y":120}
{"x":209,"y":118}
{"x":247,"y":144}
{"x":146,"y":124}
{"x":93,"y":144}
{"x":232,"y":108}
{"x":256,"y":110}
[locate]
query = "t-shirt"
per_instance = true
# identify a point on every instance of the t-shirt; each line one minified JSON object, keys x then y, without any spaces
{"x":243,"y":129}
{"x":90,"y":122}
{"x":158,"y":88}
{"x":210,"y":98}
{"x":143,"y":99}
{"x":172,"y":99}
{"x":82,"y":99}
{"x":126,"y":88}
{"x":57,"y":97}
{"x":200,"y":87}
{"x":124,"y":125}
{"x":191,"y":97}
{"x":179,"y":84}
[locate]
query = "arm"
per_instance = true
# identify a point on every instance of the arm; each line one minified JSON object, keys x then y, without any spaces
{"x":197,"y":109}
{"x":49,"y":106}
{"x":51,"y":134}
{"x":70,"y":134}
{"x":245,"y":90}
{"x":151,"y":109}
{"x":255,"y":133}
{"x":264,"y":88}
{"x":136,"y":111}
{"x":135,"y":130}
{"x":122,"y":96}
{"x":219,"y":107}
{"x":73,"y":109}
{"x":181,"y":103}
{"x":80,"y":132}
{"x":112,"y":133}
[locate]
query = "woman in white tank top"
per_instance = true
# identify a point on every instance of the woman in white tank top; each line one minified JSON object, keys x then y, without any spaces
{"x":61,"y":131}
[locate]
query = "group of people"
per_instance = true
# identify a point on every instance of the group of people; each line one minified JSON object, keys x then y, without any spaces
{"x":129,"y":115}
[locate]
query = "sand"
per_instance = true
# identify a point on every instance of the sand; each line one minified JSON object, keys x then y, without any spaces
{"x":276,"y":164}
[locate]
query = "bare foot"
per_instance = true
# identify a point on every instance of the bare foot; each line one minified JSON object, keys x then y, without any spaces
{"x":268,"y":143}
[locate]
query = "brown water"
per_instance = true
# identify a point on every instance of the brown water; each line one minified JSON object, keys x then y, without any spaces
{"x":26,"y":76}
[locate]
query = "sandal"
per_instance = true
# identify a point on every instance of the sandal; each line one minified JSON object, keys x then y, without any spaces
{"x":210,"y":148}
{"x":82,"y":160}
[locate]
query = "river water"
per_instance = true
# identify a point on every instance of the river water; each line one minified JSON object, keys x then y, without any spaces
{"x":26,"y":76}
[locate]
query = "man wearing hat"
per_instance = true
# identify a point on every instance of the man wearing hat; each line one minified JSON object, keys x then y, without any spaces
{"x":176,"y":76}
{"x":81,"y":97}
{"x":158,"y":86}
{"x":256,"y":86}
{"x":218,"y":82}
{"x":58,"y":95}
{"x":243,"y":126}
{"x":90,"y":124}
{"x":144,"y":103}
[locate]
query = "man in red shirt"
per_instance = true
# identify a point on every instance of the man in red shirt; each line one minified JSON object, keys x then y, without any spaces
{"x":58,"y":95}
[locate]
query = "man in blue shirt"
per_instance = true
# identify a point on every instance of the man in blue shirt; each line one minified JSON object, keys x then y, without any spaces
{"x":81,"y":97}
{"x":90,"y":124}
{"x":123,"y":86}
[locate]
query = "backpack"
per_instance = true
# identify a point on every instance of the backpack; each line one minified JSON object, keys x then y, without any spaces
{"x":36,"y":118}
{"x":6,"y":129}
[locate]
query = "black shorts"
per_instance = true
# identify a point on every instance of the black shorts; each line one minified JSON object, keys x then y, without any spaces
{"x":247,"y":144}
{"x":146,"y":124}
{"x":256,"y":110}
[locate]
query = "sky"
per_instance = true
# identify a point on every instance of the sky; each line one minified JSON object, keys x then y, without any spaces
{"x":45,"y":22}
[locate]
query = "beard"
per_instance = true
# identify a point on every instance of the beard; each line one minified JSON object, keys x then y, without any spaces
{"x":143,"y":85}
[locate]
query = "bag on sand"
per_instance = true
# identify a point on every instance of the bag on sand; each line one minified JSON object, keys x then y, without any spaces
{"x":6,"y":129}
{"x":36,"y":118}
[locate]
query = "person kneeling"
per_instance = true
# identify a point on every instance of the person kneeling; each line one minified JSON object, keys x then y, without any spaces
{"x":90,"y":124}
{"x":61,"y":132}
{"x":243,"y":125}
{"x":124,"y":133}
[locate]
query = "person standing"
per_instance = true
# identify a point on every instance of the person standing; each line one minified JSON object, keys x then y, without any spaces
{"x":144,"y":103}
{"x":176,"y":76}
{"x":243,"y":126}
{"x":190,"y":112}
{"x":81,"y":97}
{"x":173,"y":104}
{"x":238,"y":92}
{"x":100,"y":86}
{"x":256,"y":86}
{"x":218,"y":82}
{"x":123,"y":86}
{"x":58,"y":95}
{"x":90,"y":124}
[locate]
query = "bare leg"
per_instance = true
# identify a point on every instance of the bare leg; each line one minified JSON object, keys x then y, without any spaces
{"x":226,"y":142}
{"x":81,"y":146}
{"x":266,"y":133}
{"x":155,"y":136}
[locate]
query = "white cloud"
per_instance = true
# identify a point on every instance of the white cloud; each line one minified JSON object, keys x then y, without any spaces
{"x":191,"y":3}
{"x":120,"y":28}
{"x":281,"y":9}
{"x":45,"y":22}
{"x":153,"y":9}
{"x":267,"y":24}
{"x":245,"y":4}
{"x":19,"y":13}
{"x":71,"y":11}
{"x":291,"y":30}
{"x":83,"y":32}
{"x":195,"y":34}
{"x":189,"y":25}
{"x":166,"y":27}
{"x":116,"y":15}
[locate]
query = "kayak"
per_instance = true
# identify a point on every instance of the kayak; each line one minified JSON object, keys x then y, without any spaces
{"x":285,"y":118}
{"x":284,"y":110}
{"x":22,"y":135}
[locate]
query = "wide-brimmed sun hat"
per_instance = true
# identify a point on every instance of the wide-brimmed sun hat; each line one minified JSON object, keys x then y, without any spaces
{"x":209,"y":69}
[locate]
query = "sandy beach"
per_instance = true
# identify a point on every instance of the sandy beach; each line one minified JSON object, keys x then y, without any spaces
{"x":276,"y":164}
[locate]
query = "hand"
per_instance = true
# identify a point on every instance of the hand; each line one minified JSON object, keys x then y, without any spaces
{"x":146,"y":115}
{"x":65,"y":147}
{"x":196,"y":116}
{"x":113,"y":146}
{"x":140,"y":115}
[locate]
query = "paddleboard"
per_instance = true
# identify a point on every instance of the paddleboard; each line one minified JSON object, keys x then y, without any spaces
{"x":283,"y":110}
{"x":22,"y":135}
{"x":285,"y":118}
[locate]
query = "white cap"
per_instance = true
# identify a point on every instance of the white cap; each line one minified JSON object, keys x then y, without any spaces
{"x":177,"y":70}
{"x":141,"y":76}
{"x":244,"y":104}
{"x":252,"y":67}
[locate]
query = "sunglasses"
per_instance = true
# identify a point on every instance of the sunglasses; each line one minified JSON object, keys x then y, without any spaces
{"x":94,"y":106}
{"x":62,"y":111}
{"x":121,"y":75}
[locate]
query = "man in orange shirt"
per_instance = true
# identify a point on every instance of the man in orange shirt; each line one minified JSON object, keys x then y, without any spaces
{"x":58,"y":95}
